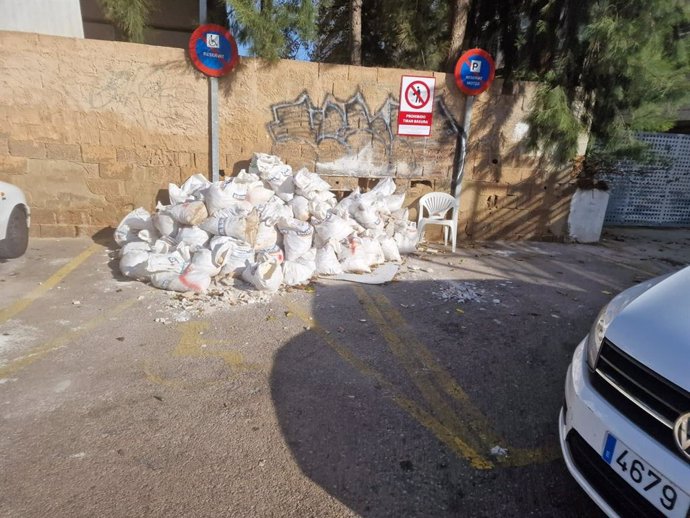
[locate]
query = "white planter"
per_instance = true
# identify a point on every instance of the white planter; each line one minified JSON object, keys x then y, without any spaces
{"x":587,"y":211}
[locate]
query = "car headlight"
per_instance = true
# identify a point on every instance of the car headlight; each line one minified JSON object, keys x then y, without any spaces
{"x":611,"y":311}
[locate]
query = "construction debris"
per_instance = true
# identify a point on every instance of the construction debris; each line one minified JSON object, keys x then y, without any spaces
{"x":267,"y":227}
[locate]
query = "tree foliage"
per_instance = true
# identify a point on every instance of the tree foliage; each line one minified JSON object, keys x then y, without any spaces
{"x":611,"y":67}
{"x":271,"y":29}
{"x":623,"y":67}
{"x":130,"y":16}
{"x":402,"y":33}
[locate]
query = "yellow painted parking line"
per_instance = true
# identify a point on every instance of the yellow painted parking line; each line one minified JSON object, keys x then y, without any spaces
{"x":63,"y":340}
{"x":397,"y":333}
{"x":422,"y":374}
{"x":441,"y":430}
{"x":52,"y":281}
{"x":194,"y":344}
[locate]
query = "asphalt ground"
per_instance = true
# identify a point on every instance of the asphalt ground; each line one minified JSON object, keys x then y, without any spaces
{"x":117,"y":399}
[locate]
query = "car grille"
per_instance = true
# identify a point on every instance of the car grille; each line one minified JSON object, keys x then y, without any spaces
{"x":620,"y":495}
{"x":652,"y":402}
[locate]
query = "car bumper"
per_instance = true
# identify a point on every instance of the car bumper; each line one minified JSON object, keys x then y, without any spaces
{"x":584,"y":423}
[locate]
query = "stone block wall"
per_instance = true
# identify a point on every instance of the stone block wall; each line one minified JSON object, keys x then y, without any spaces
{"x":92,"y":129}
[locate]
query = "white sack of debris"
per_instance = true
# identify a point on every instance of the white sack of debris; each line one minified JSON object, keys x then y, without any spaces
{"x":268,"y":226}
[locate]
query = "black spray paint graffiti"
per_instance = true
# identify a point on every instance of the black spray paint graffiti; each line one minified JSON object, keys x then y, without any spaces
{"x":347,"y":138}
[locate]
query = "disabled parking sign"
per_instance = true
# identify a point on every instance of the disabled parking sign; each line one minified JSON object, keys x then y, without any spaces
{"x":474,"y":72}
{"x":213,"y":50}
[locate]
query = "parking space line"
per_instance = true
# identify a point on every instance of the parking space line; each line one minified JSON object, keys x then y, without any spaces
{"x":52,"y":281}
{"x":396,"y":330}
{"x":193,"y":343}
{"x":441,"y":430}
{"x":63,"y":340}
{"x":423,"y":374}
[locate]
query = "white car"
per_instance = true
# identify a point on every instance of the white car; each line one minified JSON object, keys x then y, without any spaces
{"x":14,"y":221}
{"x":625,"y":423}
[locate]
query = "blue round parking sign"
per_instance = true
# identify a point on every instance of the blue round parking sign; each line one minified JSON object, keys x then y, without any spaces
{"x":213,"y":50}
{"x":474,"y":71}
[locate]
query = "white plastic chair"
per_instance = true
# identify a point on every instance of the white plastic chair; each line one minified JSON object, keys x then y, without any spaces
{"x":437,"y":204}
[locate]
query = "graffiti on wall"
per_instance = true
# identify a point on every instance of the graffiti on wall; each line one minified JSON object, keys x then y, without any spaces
{"x":348,"y":138}
{"x":138,"y":91}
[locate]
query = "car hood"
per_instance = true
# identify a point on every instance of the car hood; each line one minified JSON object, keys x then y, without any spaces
{"x":655,"y":328}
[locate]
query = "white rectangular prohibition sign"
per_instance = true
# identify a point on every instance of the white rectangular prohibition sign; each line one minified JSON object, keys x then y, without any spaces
{"x":416,"y":106}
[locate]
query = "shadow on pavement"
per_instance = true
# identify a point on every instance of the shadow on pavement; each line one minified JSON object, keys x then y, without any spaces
{"x":358,"y":399}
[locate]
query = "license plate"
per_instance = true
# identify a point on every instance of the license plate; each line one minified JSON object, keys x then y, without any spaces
{"x":646,"y":479}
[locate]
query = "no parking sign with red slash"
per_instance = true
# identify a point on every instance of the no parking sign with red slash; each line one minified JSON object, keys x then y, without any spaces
{"x":416,"y":106}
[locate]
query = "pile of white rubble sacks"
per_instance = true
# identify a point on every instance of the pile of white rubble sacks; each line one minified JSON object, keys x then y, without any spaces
{"x":268,"y":226}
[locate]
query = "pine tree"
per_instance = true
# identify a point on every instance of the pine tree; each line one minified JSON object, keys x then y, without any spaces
{"x":130,"y":16}
{"x":271,"y":29}
{"x":402,"y":33}
{"x":623,"y":68}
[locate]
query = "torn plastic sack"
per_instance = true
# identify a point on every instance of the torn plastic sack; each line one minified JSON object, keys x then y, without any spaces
{"x":189,"y":190}
{"x":367,"y":216}
{"x":230,"y":254}
{"x":266,"y":275}
{"x":133,"y":223}
{"x":333,"y":227}
{"x":390,"y":249}
{"x":297,"y":237}
{"x":274,"y":252}
{"x":300,"y":271}
{"x":261,"y":163}
{"x":306,"y":182}
{"x":353,"y":258}
{"x":231,"y":221}
{"x":383,"y":188}
{"x":273,"y":210}
{"x":322,"y":197}
{"x":164,"y":223}
{"x":164,"y":245}
{"x":259,"y":195}
{"x":408,"y":238}
{"x":266,"y":236}
{"x":319,"y":209}
{"x":192,"y":189}
{"x":191,"y":279}
{"x":279,"y":178}
{"x":195,"y":237}
{"x":394,"y":202}
{"x":221,"y":196}
{"x":133,"y":264}
{"x":253,"y":222}
{"x":202,"y":260}
{"x":250,"y":179}
{"x":347,"y":204}
{"x":189,"y":213}
{"x":170,"y":262}
{"x":139,"y":246}
{"x":373,"y":250}
{"x":300,"y":208}
{"x":327,"y":259}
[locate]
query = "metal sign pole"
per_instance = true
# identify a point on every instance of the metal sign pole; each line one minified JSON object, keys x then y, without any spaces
{"x":214,"y":140}
{"x":464,"y":139}
{"x":474,"y":73}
